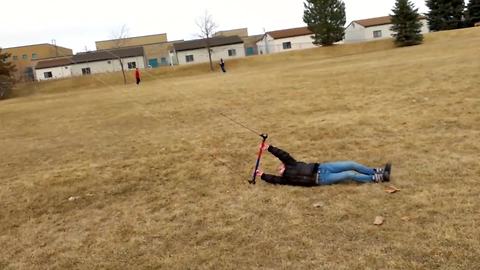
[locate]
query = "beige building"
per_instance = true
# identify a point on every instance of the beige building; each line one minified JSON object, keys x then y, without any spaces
{"x":130,"y":42}
{"x":26,"y":57}
{"x":249,"y":42}
{"x":158,"y":50}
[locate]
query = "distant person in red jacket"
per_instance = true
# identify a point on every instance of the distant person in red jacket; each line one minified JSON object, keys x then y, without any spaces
{"x":137,"y":76}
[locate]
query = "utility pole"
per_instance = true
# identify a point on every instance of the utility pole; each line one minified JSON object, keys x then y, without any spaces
{"x":267,"y":50}
{"x":54,"y":42}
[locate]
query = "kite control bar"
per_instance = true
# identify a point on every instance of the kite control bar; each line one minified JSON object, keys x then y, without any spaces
{"x":260,"y":151}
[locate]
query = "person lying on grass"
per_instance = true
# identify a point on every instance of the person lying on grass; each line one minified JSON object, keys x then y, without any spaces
{"x":297,"y":173}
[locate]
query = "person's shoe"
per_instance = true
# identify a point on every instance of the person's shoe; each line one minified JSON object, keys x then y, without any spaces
{"x":388,"y":168}
{"x":379,"y":170}
{"x":378,"y":178}
{"x":386,"y":176}
{"x":387,"y":172}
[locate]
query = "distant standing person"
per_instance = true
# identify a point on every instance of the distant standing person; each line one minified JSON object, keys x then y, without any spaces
{"x":222,"y":65}
{"x":137,"y":75}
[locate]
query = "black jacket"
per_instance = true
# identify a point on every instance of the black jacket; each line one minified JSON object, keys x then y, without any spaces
{"x":296,"y":173}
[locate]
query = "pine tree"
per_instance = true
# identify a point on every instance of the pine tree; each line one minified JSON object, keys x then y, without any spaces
{"x":6,"y":75}
{"x":473,"y":12}
{"x":407,"y":27}
{"x":445,"y":14}
{"x":326,"y":19}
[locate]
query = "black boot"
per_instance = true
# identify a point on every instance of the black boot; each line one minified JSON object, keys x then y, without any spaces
{"x":387,"y":172}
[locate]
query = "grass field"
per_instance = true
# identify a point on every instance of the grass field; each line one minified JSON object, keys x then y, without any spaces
{"x":124,"y":177}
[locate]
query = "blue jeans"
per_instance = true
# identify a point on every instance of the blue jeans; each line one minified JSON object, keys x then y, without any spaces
{"x":342,"y":171}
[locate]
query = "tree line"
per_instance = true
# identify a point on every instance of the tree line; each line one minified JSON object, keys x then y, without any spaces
{"x":326,"y":19}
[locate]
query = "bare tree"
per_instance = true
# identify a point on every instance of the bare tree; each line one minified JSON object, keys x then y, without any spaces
{"x":120,"y":38}
{"x":207,"y":27}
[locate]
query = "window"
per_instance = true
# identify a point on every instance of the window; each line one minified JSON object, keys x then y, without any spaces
{"x":377,"y":34}
{"x":47,"y":75}
{"x":66,"y":67}
{"x":232,"y":52}
{"x":24,"y":57}
{"x":287,"y":45}
{"x":189,"y":58}
{"x":163,"y":61}
{"x":34,"y":56}
{"x":109,"y":62}
{"x":86,"y":71}
{"x":132,"y":65}
{"x":15,"y":58}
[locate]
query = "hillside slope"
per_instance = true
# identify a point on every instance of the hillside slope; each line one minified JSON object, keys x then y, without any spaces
{"x":126,"y":177}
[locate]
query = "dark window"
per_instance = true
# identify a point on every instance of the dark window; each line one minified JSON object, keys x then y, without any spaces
{"x":163,"y":61}
{"x":232,"y":52}
{"x":109,"y":62}
{"x":15,"y":58}
{"x":34,"y":56}
{"x":132,"y":65}
{"x":86,"y":71}
{"x":377,"y":34}
{"x":287,"y":45}
{"x":47,"y":75}
{"x":24,"y":57}
{"x":189,"y":58}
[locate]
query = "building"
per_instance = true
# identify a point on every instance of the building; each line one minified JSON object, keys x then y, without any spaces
{"x":249,"y":42}
{"x":374,"y":28}
{"x":130,"y":42}
{"x":108,"y":61}
{"x":91,"y":63}
{"x":26,"y":57}
{"x":160,"y":54}
{"x":195,"y":51}
{"x":56,"y":68}
{"x":158,"y":50}
{"x":286,"y":40}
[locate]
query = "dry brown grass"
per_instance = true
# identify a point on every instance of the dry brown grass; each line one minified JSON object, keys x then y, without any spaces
{"x":152,"y":198}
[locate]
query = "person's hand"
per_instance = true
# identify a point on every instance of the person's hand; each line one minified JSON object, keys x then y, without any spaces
{"x":259,"y":173}
{"x":265,"y":147}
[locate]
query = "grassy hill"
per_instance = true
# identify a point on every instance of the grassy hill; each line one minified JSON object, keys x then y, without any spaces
{"x":97,"y":175}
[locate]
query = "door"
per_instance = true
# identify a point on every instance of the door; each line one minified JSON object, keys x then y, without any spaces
{"x":153,"y":62}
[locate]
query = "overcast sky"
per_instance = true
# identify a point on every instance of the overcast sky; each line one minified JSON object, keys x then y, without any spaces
{"x":76,"y":24}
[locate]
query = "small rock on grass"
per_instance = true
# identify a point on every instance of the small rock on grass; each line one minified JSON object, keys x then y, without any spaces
{"x":73,"y":198}
{"x":318,"y":205}
{"x":379,"y":220}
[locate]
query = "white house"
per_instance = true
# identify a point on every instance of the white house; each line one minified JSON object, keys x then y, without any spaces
{"x":195,"y":51}
{"x":108,"y":61}
{"x":51,"y":69}
{"x":374,"y":28}
{"x":286,"y":40}
{"x":90,"y":63}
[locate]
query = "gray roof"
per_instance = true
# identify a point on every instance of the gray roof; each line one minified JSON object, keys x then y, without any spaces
{"x":58,"y":62}
{"x":107,"y":55}
{"x":202,"y":43}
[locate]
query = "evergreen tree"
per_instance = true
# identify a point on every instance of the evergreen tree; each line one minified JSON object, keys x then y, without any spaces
{"x":326,"y":19}
{"x":445,"y":14}
{"x":407,"y":27}
{"x":6,"y":75}
{"x":473,"y":12}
